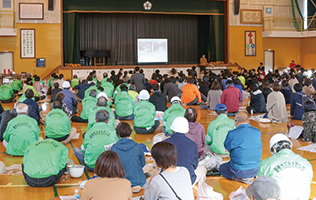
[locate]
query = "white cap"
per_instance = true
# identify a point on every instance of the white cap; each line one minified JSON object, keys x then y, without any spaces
{"x":285,"y":71}
{"x":180,"y":125}
{"x":277,"y":138}
{"x":288,"y":68}
{"x":143,"y":95}
{"x":102,"y":94}
{"x":66,"y":84}
{"x":305,"y":73}
{"x":270,"y":70}
{"x":175,"y":98}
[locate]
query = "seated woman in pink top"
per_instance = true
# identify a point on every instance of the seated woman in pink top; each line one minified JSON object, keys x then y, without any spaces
{"x":196,"y":130}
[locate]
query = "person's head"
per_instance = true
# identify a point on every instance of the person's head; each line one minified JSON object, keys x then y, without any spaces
{"x":102,"y":101}
{"x":216,"y":85}
{"x":66,"y":85}
{"x":220,"y":108}
{"x":112,"y":73}
{"x":105,"y":75}
{"x":261,"y":64}
{"x":92,"y":83}
{"x":193,"y":68}
{"x":84,"y":81}
{"x":241,"y":118}
{"x":279,"y":142}
{"x":203,"y":56}
{"x":298,"y":87}
{"x":123,"y":87}
{"x":109,"y":80}
{"x":123,"y":130}
{"x":174,"y":100}
{"x":180,"y":125}
{"x":264,"y":188}
{"x":190,"y":80}
{"x":102,"y":116}
{"x":59,"y":96}
{"x":253,"y":87}
{"x":190,"y":114}
{"x":137,"y":69}
{"x":308,"y":82}
{"x":93,"y":93}
{"x":165,"y":154}
{"x":276,"y":86}
{"x":21,"y":108}
{"x":309,"y":106}
{"x":29,"y":93}
{"x":58,"y":104}
{"x":53,"y":74}
{"x":229,"y":83}
{"x":37,"y":78}
{"x":266,"y":86}
{"x":143,"y":95}
{"x":109,"y":165}
{"x":155,"y":87}
{"x":285,"y":83}
{"x":75,"y":76}
{"x":132,"y":87}
{"x":293,"y":61}
{"x":61,"y":76}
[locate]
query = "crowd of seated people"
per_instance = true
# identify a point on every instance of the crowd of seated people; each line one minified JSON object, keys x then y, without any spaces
{"x":117,"y":160}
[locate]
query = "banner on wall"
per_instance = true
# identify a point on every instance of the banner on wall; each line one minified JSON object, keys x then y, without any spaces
{"x":27,"y":39}
{"x":250,"y":43}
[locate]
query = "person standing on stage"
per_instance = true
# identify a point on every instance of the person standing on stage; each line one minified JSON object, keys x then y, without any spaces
{"x":203,"y":63}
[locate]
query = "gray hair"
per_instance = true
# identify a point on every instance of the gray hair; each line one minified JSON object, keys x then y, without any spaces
{"x":22,"y":108}
{"x":102,"y":101}
{"x":102,"y":115}
{"x":241,"y":117}
{"x":93,"y":93}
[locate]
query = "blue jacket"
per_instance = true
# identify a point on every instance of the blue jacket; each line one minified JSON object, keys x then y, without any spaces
{"x":245,"y":147}
{"x":133,"y":160}
{"x":297,"y":109}
{"x":33,"y":111}
{"x":240,"y":88}
{"x":187,"y":153}
{"x":70,"y":100}
{"x":287,"y":93}
{"x":82,"y":88}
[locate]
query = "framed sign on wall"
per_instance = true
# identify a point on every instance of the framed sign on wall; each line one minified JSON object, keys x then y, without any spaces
{"x":27,"y":43}
{"x":31,"y":11}
{"x":250,"y":43}
{"x":250,"y":16}
{"x":40,"y":62}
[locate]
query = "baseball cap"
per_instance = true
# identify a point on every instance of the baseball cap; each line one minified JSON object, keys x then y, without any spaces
{"x":263,"y":187}
{"x":220,"y":106}
{"x":66,"y":84}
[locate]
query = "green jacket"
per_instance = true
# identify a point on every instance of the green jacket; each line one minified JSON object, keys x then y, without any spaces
{"x":20,"y":133}
{"x":45,"y":158}
{"x":23,"y":98}
{"x":174,"y":111}
{"x":108,"y":89}
{"x":96,"y":81}
{"x":124,"y":104}
{"x":17,"y":85}
{"x":50,"y":82}
{"x":91,"y":119}
{"x":6,"y":92}
{"x":95,"y":141}
{"x":118,"y":89}
{"x":86,"y":93}
{"x":88,"y":103}
{"x":57,"y":124}
{"x":31,"y":87}
{"x":104,"y":80}
{"x":286,"y":167}
{"x":144,"y":114}
{"x":74,"y":82}
{"x":217,"y":131}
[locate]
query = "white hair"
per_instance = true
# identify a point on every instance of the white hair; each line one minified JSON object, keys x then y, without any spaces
{"x":21,"y":108}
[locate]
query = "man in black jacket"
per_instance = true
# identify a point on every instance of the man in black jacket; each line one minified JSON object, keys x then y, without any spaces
{"x":158,"y":98}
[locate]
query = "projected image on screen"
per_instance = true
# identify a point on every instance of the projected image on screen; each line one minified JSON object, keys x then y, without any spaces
{"x":152,"y":50}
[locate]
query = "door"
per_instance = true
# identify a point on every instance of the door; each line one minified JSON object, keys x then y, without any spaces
{"x":6,"y":62}
{"x":268,"y":60}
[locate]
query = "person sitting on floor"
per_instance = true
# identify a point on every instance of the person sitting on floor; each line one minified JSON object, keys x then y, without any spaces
{"x":174,"y":111}
{"x":82,"y":87}
{"x":57,"y":124}
{"x":6,"y":93}
{"x":34,"y":110}
{"x":231,"y":97}
{"x":286,"y":90}
{"x":88,"y":103}
{"x":297,"y":109}
{"x":218,"y":129}
{"x":285,"y":166}
{"x":29,"y":85}
{"x":75,"y":81}
{"x":276,"y":107}
{"x":55,"y":91}
{"x":173,"y":176}
{"x":69,"y":98}
{"x":133,"y":93}
{"x":309,"y":122}
{"x":96,"y":140}
{"x":257,"y":103}
{"x":144,"y":115}
{"x":158,"y":99}
{"x":124,"y":105}
{"x":190,"y":93}
{"x":17,"y":85}
{"x":44,"y":162}
{"x":21,"y":131}
{"x":102,"y":104}
{"x":110,"y":176}
{"x":245,"y":147}
{"x":131,"y":155}
{"x":92,"y":87}
{"x":60,"y":97}
{"x":196,"y":130}
{"x":38,"y":86}
{"x":214,"y":95}
{"x":188,"y":154}
{"x":5,"y":117}
{"x":170,"y":89}
{"x":108,"y":87}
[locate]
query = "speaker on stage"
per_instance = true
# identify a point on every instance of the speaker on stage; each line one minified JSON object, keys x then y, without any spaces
{"x":50,"y":4}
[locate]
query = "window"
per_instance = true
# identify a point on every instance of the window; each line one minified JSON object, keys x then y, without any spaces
{"x":6,"y":3}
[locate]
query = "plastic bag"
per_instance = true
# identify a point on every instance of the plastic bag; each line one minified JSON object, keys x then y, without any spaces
{"x":206,"y":192}
{"x":210,"y":161}
{"x":239,"y":194}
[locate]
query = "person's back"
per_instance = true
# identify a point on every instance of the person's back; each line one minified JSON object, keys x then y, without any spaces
{"x":88,"y":103}
{"x":5,"y":117}
{"x":34,"y":111}
{"x":108,"y":88}
{"x":69,"y":98}
{"x":6,"y":92}
{"x":124,"y":104}
{"x":257,"y":103}
{"x":190,"y":93}
{"x":159,"y":100}
{"x":82,"y":87}
{"x":55,"y":91}
{"x":309,"y":122}
{"x":171,"y":89}
{"x":16,"y":85}
{"x":287,"y":92}
{"x":57,"y":124}
{"x":297,"y":109}
{"x":214,"y":95}
{"x":138,"y":80}
{"x":75,"y":81}
{"x":174,"y":111}
{"x":144,"y":114}
{"x":42,"y":160}
{"x":91,"y":118}
{"x":276,"y":107}
{"x":231,"y":98}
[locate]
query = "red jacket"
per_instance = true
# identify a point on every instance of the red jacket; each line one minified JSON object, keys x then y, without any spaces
{"x":231,"y":98}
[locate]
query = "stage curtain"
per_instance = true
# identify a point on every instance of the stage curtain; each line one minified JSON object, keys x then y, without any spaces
{"x":119,"y":32}
{"x":71,"y":38}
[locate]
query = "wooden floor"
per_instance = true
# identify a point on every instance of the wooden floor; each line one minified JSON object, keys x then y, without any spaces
{"x":14,"y":187}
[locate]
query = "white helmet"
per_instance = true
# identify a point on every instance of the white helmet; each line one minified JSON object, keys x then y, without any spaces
{"x":277,"y":138}
{"x":175,"y":99}
{"x":180,"y":125}
{"x":143,"y":95}
{"x":102,"y":94}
